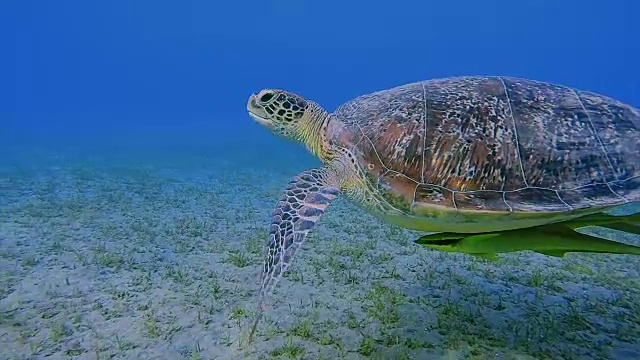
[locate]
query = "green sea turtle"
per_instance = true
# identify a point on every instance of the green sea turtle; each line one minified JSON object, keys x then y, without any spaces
{"x":461,"y":155}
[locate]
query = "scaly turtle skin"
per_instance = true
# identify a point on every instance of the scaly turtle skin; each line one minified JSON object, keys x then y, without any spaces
{"x":463,"y":155}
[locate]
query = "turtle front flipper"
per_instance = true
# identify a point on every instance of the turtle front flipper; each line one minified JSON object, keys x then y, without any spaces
{"x":303,"y":202}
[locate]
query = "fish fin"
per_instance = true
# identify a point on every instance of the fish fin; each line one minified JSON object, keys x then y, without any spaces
{"x":554,"y":253}
{"x":438,"y":238}
{"x":486,"y":256}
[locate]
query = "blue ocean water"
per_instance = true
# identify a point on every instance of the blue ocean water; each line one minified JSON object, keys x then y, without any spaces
{"x":98,"y":95}
{"x":79,"y":70}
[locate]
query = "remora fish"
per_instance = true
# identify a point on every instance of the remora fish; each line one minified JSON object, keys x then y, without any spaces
{"x":552,"y":240}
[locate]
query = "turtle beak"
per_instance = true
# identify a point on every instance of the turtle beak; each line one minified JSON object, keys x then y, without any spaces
{"x":257,"y":112}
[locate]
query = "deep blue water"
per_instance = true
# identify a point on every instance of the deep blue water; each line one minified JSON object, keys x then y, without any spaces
{"x":85,"y":75}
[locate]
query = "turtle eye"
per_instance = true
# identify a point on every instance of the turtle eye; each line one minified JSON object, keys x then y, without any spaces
{"x":266,"y":97}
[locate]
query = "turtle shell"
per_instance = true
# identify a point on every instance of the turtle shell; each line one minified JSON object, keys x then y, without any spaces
{"x":495,"y":144}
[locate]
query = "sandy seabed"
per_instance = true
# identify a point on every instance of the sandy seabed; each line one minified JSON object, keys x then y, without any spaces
{"x":160,"y":260}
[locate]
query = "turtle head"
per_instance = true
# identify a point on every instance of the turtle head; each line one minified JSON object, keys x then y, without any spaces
{"x":291,"y":116}
{"x":278,"y":110}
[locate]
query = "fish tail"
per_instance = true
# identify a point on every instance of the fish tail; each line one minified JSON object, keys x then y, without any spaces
{"x":596,"y":244}
{"x":625,"y":223}
{"x":628,"y":227}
